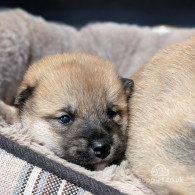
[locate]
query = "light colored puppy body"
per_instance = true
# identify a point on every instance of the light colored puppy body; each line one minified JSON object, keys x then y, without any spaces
{"x":162,"y":121}
{"x":87,"y":92}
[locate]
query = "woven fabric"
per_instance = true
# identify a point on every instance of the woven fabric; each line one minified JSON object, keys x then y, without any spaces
{"x":15,"y":157}
{"x":21,"y":177}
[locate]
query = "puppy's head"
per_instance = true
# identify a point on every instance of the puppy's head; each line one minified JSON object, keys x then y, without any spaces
{"x":76,"y":105}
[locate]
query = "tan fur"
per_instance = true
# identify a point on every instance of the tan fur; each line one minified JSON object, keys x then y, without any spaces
{"x":162,"y":120}
{"x":98,"y":73}
{"x":84,"y":83}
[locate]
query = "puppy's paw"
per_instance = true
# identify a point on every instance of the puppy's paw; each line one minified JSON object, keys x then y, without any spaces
{"x":8,"y":113}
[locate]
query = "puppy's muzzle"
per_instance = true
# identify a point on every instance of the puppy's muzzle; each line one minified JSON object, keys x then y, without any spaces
{"x":101,"y":148}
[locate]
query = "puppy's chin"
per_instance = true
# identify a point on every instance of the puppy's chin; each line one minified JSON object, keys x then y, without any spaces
{"x":102,"y":164}
{"x":93,"y":163}
{"x":97,"y":167}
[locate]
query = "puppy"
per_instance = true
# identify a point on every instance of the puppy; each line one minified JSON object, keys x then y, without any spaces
{"x":80,"y":104}
{"x":161,"y":146}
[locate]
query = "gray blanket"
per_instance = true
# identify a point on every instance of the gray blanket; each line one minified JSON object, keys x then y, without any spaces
{"x":25,"y":39}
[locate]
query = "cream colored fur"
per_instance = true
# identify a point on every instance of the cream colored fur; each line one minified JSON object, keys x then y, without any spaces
{"x":162,"y":119}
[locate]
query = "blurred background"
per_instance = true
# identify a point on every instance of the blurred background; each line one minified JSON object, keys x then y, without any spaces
{"x":143,"y":12}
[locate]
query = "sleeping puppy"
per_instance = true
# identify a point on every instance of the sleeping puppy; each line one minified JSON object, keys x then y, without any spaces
{"x":80,"y":104}
{"x":161,"y":146}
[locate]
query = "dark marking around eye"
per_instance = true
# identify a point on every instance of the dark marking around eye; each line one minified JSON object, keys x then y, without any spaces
{"x":111,"y":114}
{"x":67,"y":116}
{"x":69,"y":110}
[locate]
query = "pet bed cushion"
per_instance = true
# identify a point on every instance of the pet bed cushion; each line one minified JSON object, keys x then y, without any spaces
{"x":25,"y":39}
{"x":26,"y":172}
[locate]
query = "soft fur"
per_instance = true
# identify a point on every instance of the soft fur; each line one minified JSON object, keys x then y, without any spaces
{"x":88,"y":92}
{"x":8,"y":113}
{"x":162,"y":121}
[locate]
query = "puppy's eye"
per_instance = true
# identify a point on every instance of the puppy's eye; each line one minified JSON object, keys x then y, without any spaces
{"x":65,"y":119}
{"x":111,"y":114}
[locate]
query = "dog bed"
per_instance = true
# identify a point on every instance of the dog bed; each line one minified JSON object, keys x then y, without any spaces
{"x":29,"y":168}
{"x":26,"y":172}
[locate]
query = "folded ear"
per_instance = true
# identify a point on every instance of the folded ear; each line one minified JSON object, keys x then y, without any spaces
{"x":23,"y":96}
{"x":128,"y":86}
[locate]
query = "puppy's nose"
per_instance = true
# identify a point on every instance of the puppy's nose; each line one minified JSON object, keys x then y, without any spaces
{"x":101,"y":149}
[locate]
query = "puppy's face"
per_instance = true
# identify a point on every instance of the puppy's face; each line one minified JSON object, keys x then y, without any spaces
{"x":76,"y":105}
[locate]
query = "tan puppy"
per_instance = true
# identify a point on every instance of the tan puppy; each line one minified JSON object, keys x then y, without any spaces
{"x":80,"y":103}
{"x":161,"y":146}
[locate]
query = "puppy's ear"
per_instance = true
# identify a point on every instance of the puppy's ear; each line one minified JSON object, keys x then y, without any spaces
{"x":23,"y":96}
{"x":128,"y":86}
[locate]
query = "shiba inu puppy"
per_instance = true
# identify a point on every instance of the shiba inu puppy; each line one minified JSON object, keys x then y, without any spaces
{"x":161,"y":146}
{"x":80,"y":104}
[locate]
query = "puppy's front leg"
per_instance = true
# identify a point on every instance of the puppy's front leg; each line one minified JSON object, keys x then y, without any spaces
{"x":8,"y":113}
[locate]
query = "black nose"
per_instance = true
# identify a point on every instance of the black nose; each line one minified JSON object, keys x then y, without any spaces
{"x":101,"y":149}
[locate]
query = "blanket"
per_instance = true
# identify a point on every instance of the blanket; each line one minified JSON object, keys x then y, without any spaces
{"x":25,"y":39}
